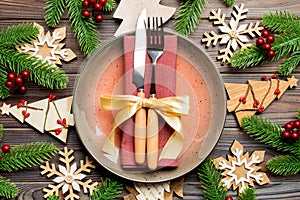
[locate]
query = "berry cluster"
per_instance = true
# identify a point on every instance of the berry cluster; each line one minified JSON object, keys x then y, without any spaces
{"x":15,"y":81}
{"x":291,"y":130}
{"x":93,"y":7}
{"x":265,"y":43}
{"x":273,"y":76}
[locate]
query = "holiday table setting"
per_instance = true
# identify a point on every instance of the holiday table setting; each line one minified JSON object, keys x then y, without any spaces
{"x":226,"y":99}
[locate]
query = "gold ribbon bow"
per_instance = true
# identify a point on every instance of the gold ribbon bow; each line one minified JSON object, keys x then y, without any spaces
{"x":169,"y":108}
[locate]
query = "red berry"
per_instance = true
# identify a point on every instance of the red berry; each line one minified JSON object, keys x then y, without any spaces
{"x":286,"y":134}
{"x":257,"y":102}
{"x":86,"y":13}
{"x":85,"y":4}
{"x":295,"y":136}
{"x":260,"y":41}
{"x":5,"y":148}
{"x":97,"y":6}
{"x":25,"y":74}
{"x":288,"y":126}
{"x":92,"y":1}
{"x":296,"y":124}
{"x":9,"y":84}
{"x":266,"y":46}
{"x":264,"y":77}
{"x":229,"y":198}
{"x":99,"y":18}
{"x":271,"y":53}
{"x":103,"y":2}
{"x":57,"y":131}
{"x":265,"y":33}
{"x":11,"y":76}
{"x":22,"y":89}
{"x":270,"y":38}
{"x":261,"y":109}
{"x":19,"y":80}
{"x":277,"y":91}
{"x":273,"y":76}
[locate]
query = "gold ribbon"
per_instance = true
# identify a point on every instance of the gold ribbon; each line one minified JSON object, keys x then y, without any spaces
{"x":169,"y":108}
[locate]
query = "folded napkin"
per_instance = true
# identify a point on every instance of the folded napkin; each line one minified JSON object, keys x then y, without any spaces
{"x":166,"y":86}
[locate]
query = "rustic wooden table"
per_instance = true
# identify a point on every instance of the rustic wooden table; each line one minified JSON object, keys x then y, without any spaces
{"x":31,"y":182}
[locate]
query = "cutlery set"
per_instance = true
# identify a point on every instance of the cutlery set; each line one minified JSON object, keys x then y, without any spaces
{"x":149,"y":36}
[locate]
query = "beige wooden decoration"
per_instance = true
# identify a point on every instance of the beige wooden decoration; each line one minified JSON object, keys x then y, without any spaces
{"x":155,"y":191}
{"x":258,"y":95}
{"x":232,"y":35}
{"x":129,"y":11}
{"x":68,"y":178}
{"x":48,"y":47}
{"x":48,"y":115}
{"x":240,"y":170}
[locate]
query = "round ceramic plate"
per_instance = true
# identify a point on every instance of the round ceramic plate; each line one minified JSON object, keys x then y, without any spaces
{"x":196,"y":76}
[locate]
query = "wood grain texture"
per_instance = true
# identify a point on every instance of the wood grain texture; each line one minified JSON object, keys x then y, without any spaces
{"x":280,"y":111}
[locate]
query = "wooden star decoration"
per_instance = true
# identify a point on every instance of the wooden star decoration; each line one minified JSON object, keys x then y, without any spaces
{"x":48,"y":47}
{"x":5,"y":108}
{"x":129,"y":11}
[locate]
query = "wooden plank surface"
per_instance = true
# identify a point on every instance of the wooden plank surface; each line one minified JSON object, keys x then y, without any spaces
{"x":280,"y":111}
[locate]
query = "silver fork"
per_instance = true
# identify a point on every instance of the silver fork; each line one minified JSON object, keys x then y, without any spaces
{"x":155,"y":46}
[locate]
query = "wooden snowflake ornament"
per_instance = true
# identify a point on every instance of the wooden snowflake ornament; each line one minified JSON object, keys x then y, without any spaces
{"x":233,"y":35}
{"x":240,"y":170}
{"x":129,"y":11}
{"x":69,"y":178}
{"x":48,"y":47}
{"x":256,"y":96}
{"x":48,"y":115}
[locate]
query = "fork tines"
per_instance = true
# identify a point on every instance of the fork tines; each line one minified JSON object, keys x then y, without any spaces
{"x":155,"y":32}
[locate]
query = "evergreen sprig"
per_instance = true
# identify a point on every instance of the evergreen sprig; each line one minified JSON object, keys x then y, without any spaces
{"x":289,"y":64}
{"x":54,"y":11}
{"x":286,"y":43}
{"x":109,"y":189}
{"x":4,"y":91}
{"x":189,"y":15}
{"x":109,"y":6}
{"x":281,"y":21}
{"x":53,"y":197}
{"x":7,"y":188}
{"x":247,"y":194}
{"x":28,"y":155}
{"x":269,"y":133}
{"x":210,"y":178}
{"x":284,"y":165}
{"x":1,"y":131}
{"x":228,"y":2}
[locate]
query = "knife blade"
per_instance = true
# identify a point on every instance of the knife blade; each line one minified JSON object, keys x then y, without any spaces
{"x":138,"y":79}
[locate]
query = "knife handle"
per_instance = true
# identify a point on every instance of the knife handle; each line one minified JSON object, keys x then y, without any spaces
{"x":152,"y":139}
{"x":140,"y":133}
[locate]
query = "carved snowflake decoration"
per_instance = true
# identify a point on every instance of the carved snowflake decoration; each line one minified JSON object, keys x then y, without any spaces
{"x":241,"y":170}
{"x":234,"y":35}
{"x":69,"y":178}
{"x":49,"y":48}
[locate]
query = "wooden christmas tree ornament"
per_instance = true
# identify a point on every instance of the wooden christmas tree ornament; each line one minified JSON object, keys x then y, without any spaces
{"x":256,"y":96}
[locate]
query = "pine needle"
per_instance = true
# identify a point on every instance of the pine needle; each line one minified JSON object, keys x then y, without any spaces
{"x":284,"y":165}
{"x":109,"y":190}
{"x":53,"y":197}
{"x":269,"y":133}
{"x":8,"y":189}
{"x":18,"y":35}
{"x":54,"y":11}
{"x":4,"y":91}
{"x":189,"y":15}
{"x":28,"y":155}
{"x":289,"y":65}
{"x":109,"y":6}
{"x":281,"y":21}
{"x":210,"y":179}
{"x":228,"y":2}
{"x":247,"y":194}
{"x":286,"y":43}
{"x":84,"y":29}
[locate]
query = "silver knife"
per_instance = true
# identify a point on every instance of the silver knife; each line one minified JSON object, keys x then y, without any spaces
{"x":138,"y":79}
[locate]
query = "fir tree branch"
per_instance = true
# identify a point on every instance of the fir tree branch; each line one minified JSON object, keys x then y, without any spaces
{"x":289,"y":65}
{"x":281,"y":21}
{"x":54,"y":11}
{"x":109,"y":6}
{"x":8,"y":189}
{"x":42,"y":73}
{"x":189,"y":15}
{"x":53,"y":197}
{"x":269,"y":133}
{"x":284,"y":165}
{"x":29,"y":155}
{"x":247,"y":194}
{"x":228,"y":2}
{"x":286,"y":43}
{"x":108,"y":190}
{"x":18,"y":35}
{"x":210,"y":178}
{"x":4,"y":91}
{"x":84,"y":29}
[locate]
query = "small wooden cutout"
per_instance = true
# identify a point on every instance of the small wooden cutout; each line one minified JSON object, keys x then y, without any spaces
{"x":240,"y":170}
{"x":263,"y":93}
